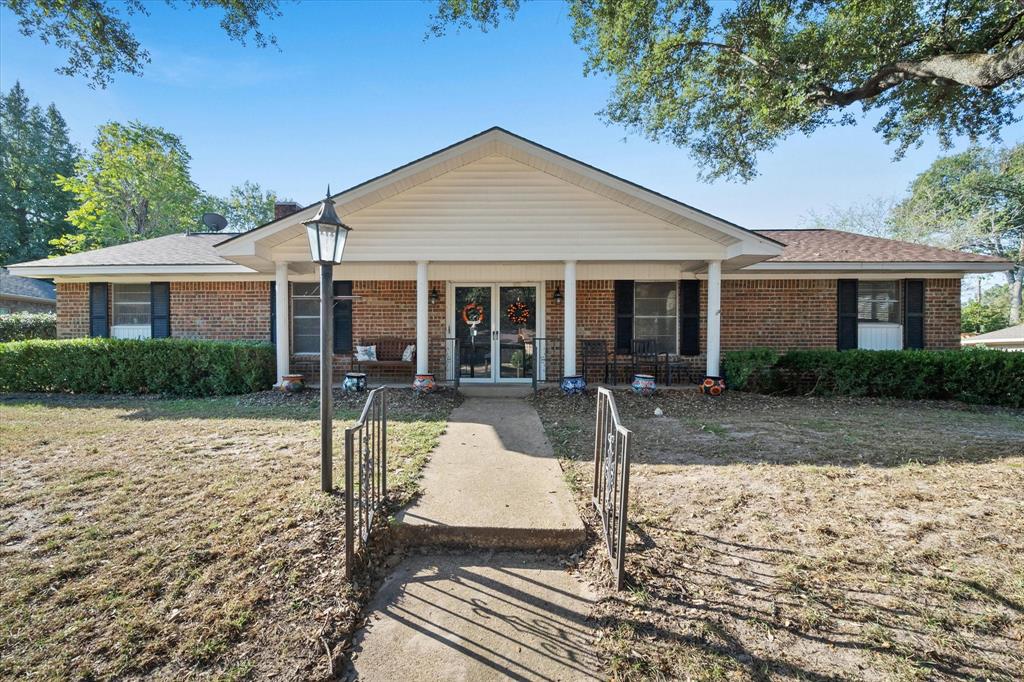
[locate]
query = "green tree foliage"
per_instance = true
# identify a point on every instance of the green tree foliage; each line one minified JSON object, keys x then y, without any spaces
{"x":731,"y":80}
{"x":971,"y":201}
{"x":99,"y":41}
{"x":246,"y":206}
{"x":134,"y":184}
{"x":34,"y":149}
{"x":978,"y":318}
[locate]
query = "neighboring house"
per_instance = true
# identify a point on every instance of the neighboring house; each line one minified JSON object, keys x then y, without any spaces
{"x":1010,"y":338}
{"x":547,"y":250}
{"x":24,"y":294}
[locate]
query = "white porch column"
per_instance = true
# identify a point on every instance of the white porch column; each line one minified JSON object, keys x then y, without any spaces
{"x":283,"y":314}
{"x":569,"y":333}
{"x":422,"y":298}
{"x":714,"y":316}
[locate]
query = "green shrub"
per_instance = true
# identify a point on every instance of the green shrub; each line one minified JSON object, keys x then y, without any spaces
{"x":176,"y":367}
{"x":21,"y":326}
{"x":975,"y":376}
{"x":738,"y":367}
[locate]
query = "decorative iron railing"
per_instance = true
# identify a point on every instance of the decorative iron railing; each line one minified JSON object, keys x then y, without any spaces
{"x":547,"y":359}
{"x":611,"y":481}
{"x":366,"y":474}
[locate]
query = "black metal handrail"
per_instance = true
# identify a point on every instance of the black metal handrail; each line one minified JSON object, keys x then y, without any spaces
{"x":611,"y":481}
{"x":366,"y":456}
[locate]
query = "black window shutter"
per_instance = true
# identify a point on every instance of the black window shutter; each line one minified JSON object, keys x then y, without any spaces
{"x":160,"y":309}
{"x":99,"y":325}
{"x":273,"y":312}
{"x":689,"y":317}
{"x":623,"y":315}
{"x":846,"y":336}
{"x":913,"y":313}
{"x":343,"y":318}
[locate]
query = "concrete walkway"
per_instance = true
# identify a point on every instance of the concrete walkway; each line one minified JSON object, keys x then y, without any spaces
{"x":493,"y":481}
{"x":477,"y":617}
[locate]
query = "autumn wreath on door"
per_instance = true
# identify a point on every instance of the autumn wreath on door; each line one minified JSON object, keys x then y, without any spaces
{"x":473,"y":314}
{"x":518,"y":313}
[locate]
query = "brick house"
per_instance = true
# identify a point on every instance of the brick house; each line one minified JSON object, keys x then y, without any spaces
{"x":503,"y":258}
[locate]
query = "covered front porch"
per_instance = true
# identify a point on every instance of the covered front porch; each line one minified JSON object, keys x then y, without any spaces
{"x":604,"y":321}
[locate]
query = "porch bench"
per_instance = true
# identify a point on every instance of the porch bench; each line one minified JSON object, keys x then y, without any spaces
{"x":389,"y":355}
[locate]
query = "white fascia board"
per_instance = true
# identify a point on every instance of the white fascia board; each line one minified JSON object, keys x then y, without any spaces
{"x":951,"y":267}
{"x":42,"y":271}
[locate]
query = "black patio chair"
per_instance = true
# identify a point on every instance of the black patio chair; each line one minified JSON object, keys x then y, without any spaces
{"x":594,"y":353}
{"x":647,"y":359}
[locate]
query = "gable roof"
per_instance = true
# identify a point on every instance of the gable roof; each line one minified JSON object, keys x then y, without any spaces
{"x":25,"y":288}
{"x":500,"y":142}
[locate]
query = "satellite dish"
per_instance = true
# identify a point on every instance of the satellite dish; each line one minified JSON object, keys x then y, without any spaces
{"x":214,"y":222}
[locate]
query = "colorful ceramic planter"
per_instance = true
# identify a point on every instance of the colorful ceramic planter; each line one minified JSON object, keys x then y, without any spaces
{"x":355,"y":382}
{"x":424,"y":383}
{"x":712,"y":386}
{"x":574,"y":385}
{"x":292,"y":383}
{"x":644,"y":384}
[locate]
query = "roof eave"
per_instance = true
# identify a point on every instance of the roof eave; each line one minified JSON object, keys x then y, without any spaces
{"x":876,"y":266}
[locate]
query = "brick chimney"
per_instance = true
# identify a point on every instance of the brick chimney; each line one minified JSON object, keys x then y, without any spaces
{"x":283,"y":208}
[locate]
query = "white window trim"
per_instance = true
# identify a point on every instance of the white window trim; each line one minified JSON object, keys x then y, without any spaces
{"x":675,"y":326}
{"x":129,"y":331}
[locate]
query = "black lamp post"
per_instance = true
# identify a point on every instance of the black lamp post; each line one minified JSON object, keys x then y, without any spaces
{"x":327,"y":236}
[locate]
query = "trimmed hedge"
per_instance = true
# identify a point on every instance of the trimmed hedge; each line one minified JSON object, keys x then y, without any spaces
{"x":974,"y":375}
{"x":21,"y":326}
{"x":174,"y":367}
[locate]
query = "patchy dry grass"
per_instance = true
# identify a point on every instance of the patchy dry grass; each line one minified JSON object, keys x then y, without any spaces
{"x":815,"y":539}
{"x":179,"y":538}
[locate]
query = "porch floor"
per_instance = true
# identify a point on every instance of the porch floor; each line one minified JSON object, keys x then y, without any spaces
{"x":493,"y":481}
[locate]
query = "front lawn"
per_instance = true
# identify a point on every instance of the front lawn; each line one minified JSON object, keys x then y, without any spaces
{"x":179,"y":538}
{"x":803,"y":538}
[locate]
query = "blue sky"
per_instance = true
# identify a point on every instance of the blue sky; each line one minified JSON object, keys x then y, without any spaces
{"x":356,"y":90}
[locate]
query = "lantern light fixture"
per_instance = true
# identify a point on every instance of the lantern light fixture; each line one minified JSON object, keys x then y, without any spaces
{"x":326,"y":233}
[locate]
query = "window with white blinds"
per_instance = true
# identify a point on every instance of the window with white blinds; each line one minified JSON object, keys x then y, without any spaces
{"x":879,"y":302}
{"x":131,"y":309}
{"x":655,"y":314}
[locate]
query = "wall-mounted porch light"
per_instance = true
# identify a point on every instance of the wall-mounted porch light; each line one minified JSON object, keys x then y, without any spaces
{"x":557,"y":296}
{"x":434,"y":298}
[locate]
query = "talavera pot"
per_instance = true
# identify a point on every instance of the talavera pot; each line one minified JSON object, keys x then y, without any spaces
{"x":644,"y":384}
{"x":712,"y":386}
{"x":292,"y":383}
{"x":574,"y":385}
{"x":355,"y":382}
{"x":423,"y":383}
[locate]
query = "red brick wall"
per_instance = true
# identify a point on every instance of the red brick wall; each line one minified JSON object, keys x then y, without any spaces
{"x":784,"y":314}
{"x":72,"y":310}
{"x":942,"y":313}
{"x":15,"y":305}
{"x":221,"y":311}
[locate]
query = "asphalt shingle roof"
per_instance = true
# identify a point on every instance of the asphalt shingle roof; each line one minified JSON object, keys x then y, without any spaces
{"x":15,"y":285}
{"x":1014,"y":333}
{"x":835,"y":246}
{"x":173,"y":249}
{"x":802,"y":246}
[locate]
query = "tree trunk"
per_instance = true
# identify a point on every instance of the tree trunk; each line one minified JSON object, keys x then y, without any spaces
{"x":1015,"y":293}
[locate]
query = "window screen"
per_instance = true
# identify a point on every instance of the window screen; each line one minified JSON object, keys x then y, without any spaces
{"x":305,"y":317}
{"x":131,"y":305}
{"x":655,"y":314}
{"x":878,"y":302}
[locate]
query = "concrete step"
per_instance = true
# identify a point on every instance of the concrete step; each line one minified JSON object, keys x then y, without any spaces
{"x":496,"y":390}
{"x":554,"y":540}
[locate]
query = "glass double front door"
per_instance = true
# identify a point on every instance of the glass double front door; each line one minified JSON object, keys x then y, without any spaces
{"x":495,"y":325}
